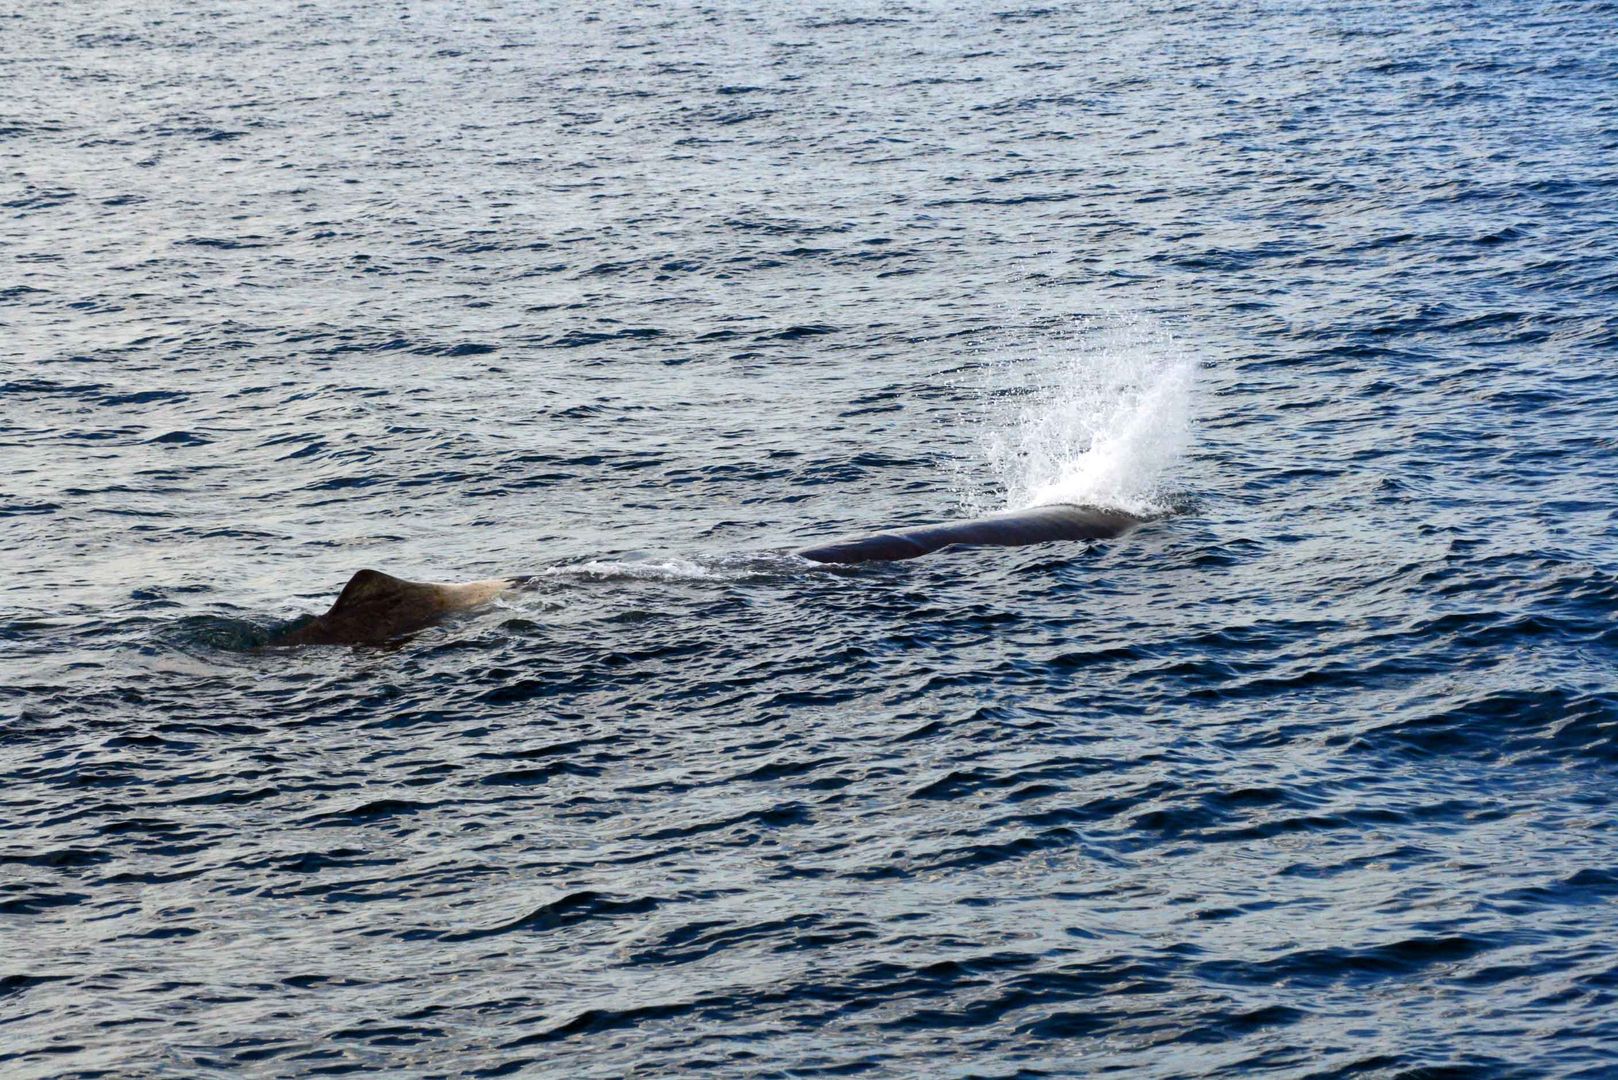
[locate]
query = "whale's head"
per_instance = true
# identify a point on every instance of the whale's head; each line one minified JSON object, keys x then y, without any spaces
{"x":375,"y":607}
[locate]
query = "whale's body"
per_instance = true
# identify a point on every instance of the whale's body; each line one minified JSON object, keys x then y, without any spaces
{"x":1036,"y":525}
{"x":375,"y":607}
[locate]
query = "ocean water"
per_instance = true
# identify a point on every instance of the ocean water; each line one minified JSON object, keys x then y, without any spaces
{"x":1311,"y":777}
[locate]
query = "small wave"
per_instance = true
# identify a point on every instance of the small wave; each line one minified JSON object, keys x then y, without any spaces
{"x":214,"y":632}
{"x":573,"y":908}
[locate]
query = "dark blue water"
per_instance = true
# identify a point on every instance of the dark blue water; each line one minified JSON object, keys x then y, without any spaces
{"x":1312,"y":777}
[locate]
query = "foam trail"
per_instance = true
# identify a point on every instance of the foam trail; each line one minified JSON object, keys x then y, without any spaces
{"x":1101,"y":418}
{"x":671,"y":569}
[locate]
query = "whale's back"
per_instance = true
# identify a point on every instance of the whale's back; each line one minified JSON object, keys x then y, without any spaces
{"x":1036,"y":525}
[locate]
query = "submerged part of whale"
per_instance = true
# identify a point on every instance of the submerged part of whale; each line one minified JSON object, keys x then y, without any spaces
{"x":1036,"y":525}
{"x":374,"y":607}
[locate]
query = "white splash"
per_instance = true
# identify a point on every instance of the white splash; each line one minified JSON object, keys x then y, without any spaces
{"x":1099,"y":415}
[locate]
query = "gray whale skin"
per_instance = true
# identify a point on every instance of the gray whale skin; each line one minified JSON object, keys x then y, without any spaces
{"x":1036,"y":525}
{"x":374,"y":607}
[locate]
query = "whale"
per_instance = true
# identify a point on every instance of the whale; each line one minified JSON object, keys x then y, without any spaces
{"x":374,"y":608}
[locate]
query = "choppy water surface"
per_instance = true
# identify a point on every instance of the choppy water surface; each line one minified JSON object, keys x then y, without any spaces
{"x":1314,"y":777}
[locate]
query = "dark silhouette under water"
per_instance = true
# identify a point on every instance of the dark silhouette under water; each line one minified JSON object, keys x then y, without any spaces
{"x":375,"y":607}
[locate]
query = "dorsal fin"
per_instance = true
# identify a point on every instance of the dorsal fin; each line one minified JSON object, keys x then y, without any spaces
{"x":367,"y":585}
{"x":374,"y":607}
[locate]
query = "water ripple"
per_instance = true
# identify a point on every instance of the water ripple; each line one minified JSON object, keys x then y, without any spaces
{"x":1311,"y":777}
